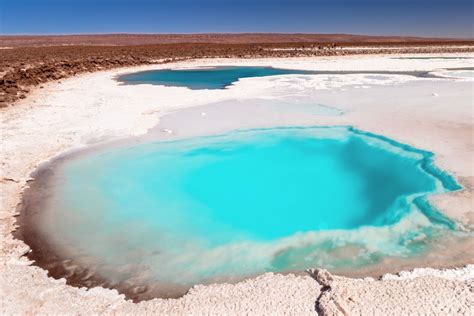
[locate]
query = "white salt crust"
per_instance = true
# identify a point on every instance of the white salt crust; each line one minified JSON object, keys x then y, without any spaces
{"x":94,"y":107}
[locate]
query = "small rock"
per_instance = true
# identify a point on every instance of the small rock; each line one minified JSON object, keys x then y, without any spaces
{"x":322,"y":276}
{"x":11,"y":90}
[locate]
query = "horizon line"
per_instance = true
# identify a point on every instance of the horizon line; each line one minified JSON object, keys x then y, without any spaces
{"x":235,"y":33}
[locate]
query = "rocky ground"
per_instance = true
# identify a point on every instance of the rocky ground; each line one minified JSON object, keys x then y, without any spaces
{"x":395,"y":295}
{"x":22,"y":68}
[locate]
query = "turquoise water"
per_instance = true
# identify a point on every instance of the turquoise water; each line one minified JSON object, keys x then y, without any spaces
{"x":204,"y":78}
{"x":222,"y":207}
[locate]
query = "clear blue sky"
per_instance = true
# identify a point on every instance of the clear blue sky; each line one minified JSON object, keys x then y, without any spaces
{"x":441,"y":18}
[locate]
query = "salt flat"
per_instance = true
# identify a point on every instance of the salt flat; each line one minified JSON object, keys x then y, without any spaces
{"x":432,"y":114}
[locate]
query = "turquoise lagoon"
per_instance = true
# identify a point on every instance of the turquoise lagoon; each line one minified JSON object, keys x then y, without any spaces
{"x":223,"y":76}
{"x":204,"y":78}
{"x":228,"y":206}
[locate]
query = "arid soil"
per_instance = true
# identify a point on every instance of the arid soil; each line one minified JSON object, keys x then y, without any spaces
{"x":223,"y":38}
{"x":29,"y":61}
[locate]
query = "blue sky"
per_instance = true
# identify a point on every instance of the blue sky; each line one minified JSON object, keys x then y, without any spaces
{"x":441,"y":18}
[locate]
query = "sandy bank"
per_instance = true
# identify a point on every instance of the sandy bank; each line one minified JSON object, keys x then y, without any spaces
{"x":94,"y":107}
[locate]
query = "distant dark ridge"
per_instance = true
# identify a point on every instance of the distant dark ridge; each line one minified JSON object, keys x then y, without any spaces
{"x":241,"y":38}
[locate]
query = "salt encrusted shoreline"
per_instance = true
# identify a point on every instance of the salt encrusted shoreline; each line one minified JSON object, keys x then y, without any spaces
{"x":94,"y":107}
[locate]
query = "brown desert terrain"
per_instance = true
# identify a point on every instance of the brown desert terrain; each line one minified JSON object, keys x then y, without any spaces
{"x":28,"y":61}
{"x":215,"y":38}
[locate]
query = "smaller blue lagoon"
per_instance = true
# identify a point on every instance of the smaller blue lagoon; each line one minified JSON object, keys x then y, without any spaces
{"x":203,"y":78}
{"x":225,"y":207}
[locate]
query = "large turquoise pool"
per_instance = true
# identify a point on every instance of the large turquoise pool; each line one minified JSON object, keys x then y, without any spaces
{"x":224,"y":76}
{"x":224,"y":207}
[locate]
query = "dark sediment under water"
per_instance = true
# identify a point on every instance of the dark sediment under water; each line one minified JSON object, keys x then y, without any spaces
{"x":157,"y":218}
